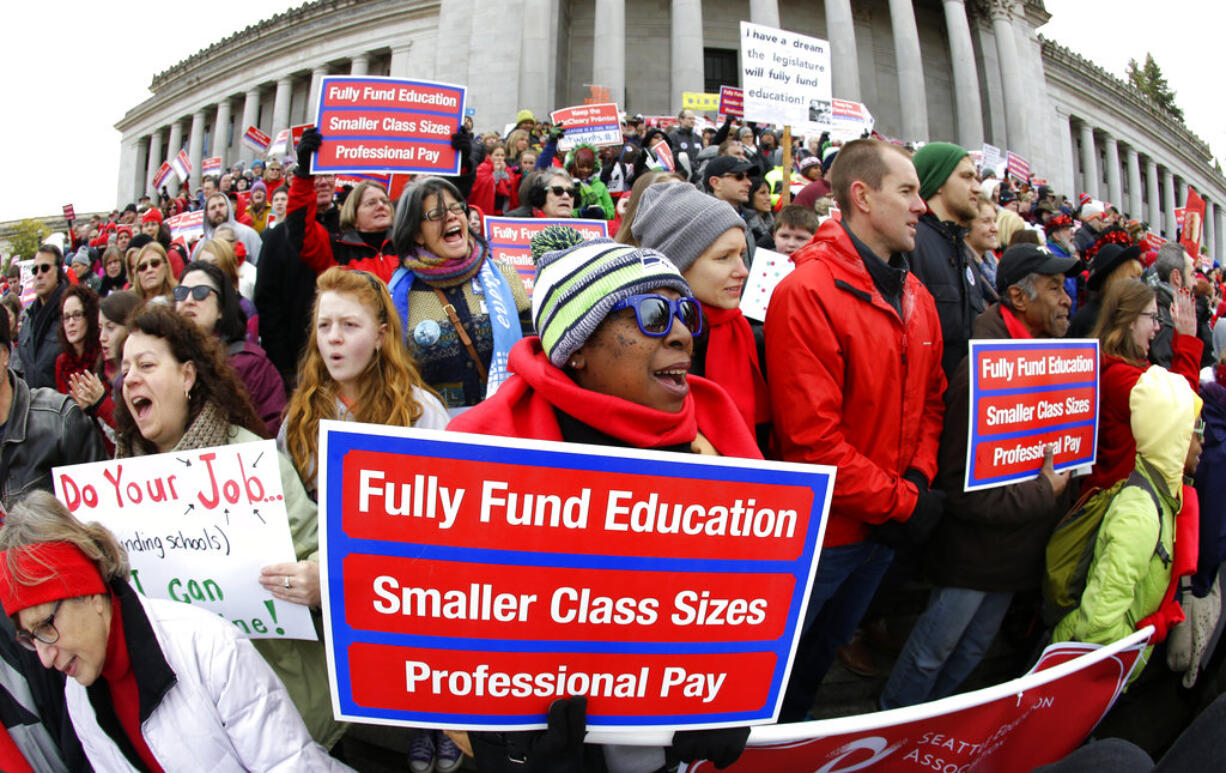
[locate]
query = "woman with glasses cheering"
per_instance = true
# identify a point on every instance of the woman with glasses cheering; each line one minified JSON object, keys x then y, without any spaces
{"x":610,"y":366}
{"x":154,"y":685}
{"x":206,"y":298}
{"x":460,"y":307}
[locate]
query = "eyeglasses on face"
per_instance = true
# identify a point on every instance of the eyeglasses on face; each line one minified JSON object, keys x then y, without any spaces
{"x":1153,"y":317}
{"x":155,"y":263}
{"x":45,"y":632}
{"x":655,"y":313}
{"x":558,"y":190}
{"x":738,"y":176}
{"x":198,"y":292}
{"x":440,"y":213}
{"x":73,"y":316}
{"x":42,"y":268}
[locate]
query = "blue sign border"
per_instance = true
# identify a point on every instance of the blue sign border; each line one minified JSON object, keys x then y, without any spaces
{"x":978,"y":393}
{"x":340,"y":442}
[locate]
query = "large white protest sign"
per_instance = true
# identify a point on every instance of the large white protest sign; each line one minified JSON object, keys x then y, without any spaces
{"x":198,"y":526}
{"x":786,"y":78}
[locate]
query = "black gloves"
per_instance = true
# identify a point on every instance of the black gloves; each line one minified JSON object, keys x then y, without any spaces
{"x":592,"y":212}
{"x":722,"y":747}
{"x":462,"y":142}
{"x":557,"y":749}
{"x":916,"y":530}
{"x":307,"y":146}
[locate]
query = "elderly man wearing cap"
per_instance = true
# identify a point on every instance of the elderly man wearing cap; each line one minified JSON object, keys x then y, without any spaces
{"x":940,"y":260}
{"x":990,"y":543}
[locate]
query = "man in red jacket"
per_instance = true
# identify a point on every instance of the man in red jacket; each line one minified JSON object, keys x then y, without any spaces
{"x":853,"y":346}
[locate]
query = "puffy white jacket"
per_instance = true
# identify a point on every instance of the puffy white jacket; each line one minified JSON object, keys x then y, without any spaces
{"x":226,"y":710}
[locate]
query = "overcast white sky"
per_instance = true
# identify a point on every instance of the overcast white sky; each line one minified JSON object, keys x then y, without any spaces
{"x":74,"y":68}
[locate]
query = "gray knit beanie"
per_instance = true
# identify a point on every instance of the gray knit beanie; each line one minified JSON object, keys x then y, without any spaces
{"x":682,"y":222}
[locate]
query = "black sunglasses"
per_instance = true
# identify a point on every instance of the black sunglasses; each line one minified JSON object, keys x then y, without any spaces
{"x":738,"y":176}
{"x":558,"y":190}
{"x":42,"y":268}
{"x":199,"y":292}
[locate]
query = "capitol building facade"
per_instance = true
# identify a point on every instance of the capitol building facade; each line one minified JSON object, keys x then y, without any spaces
{"x":966,"y":71}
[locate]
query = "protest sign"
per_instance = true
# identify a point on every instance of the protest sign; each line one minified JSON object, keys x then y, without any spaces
{"x":295,"y":133}
{"x":188,"y":226}
{"x":280,"y":146}
{"x":731,"y":101}
{"x":786,"y":78}
{"x":69,"y":212}
{"x":769,"y":267}
{"x":353,"y":180}
{"x":211,"y":166}
{"x":663,"y":153}
{"x":849,"y":120}
{"x":596,"y":95}
{"x":1027,"y":395}
{"x":197,"y":526}
{"x":162,"y":175}
{"x":182,"y":166}
{"x":596,"y":125}
{"x":1012,"y":727}
{"x":256,"y":140}
{"x":700,"y":101}
{"x":470,"y":580}
{"x":372,"y":124}
{"x":27,"y":280}
{"x":993,"y":159}
{"x":1190,"y":233}
{"x":510,"y":239}
{"x":1152,"y":241}
{"x":1017,"y":166}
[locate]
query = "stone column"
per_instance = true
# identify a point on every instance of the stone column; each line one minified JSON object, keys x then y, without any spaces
{"x":1011,"y":76}
{"x":911,"y":92}
{"x":534,"y":71}
{"x":154,"y":162}
{"x":1219,"y":227}
{"x":1153,"y":201}
{"x":1168,"y":203}
{"x":966,"y":76}
{"x":686,"y":49}
{"x":1181,"y":192}
{"x":1114,"y":191}
{"x":280,"y":106}
{"x":195,"y":145}
{"x":221,"y":132}
{"x":764,"y":12}
{"x":175,"y":143}
{"x":1089,"y":160}
{"x":359,"y":65}
{"x":609,"y":55}
{"x":1134,"y":183}
{"x":128,"y":189}
{"x":1065,"y":178}
{"x":251,"y":117}
{"x":400,"y":60}
{"x":1210,"y":230}
{"x":845,"y":66}
{"x":317,"y":78}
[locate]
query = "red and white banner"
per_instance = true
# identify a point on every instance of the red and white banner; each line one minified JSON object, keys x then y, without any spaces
{"x":1192,"y":228}
{"x":210,"y":166}
{"x":664,"y":155}
{"x":1152,"y":241}
{"x":69,"y":212}
{"x":1017,"y":166}
{"x":256,"y":140}
{"x":188,"y":226}
{"x":353,"y":180}
{"x":596,"y":125}
{"x":162,"y":175}
{"x":1007,"y":728}
{"x":280,"y":145}
{"x":731,"y":101}
{"x":182,"y":165}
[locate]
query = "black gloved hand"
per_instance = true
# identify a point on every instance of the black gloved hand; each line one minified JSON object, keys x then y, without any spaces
{"x":557,"y":749}
{"x":308,"y":144}
{"x":722,"y":747}
{"x":916,"y":477}
{"x":916,"y":530}
{"x":462,"y":142}
{"x":592,"y":212}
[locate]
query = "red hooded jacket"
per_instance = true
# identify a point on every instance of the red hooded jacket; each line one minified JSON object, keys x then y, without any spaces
{"x":853,"y":384}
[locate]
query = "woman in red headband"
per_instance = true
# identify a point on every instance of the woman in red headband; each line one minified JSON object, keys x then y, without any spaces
{"x":155,"y":685}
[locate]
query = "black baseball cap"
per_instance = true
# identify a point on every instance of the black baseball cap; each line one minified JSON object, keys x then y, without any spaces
{"x":1022,"y":260}
{"x":722,"y":165}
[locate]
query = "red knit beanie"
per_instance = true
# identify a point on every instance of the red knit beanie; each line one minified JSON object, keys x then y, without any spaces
{"x":54,"y":571}
{"x":152,"y":215}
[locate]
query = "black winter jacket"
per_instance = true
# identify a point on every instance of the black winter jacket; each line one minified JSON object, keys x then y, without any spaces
{"x":941,"y":262}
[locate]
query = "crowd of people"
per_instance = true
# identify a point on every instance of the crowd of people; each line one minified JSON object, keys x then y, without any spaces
{"x":304,"y":300}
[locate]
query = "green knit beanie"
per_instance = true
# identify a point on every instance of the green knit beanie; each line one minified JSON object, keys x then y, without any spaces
{"x":934,"y":163}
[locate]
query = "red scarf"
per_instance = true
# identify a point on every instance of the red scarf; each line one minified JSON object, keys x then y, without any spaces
{"x":117,"y":671}
{"x":1013,"y":324}
{"x":524,"y":407}
{"x":732,"y":362}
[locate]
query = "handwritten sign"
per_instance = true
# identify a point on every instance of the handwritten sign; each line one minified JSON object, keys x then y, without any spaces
{"x":1027,"y":395}
{"x":197,"y":526}
{"x":786,"y":78}
{"x":510,"y":240}
{"x":471,"y":580}
{"x":731,"y":101}
{"x":596,"y":125}
{"x":374,"y":124}
{"x":188,"y":226}
{"x":256,"y":140}
{"x":768,"y":269}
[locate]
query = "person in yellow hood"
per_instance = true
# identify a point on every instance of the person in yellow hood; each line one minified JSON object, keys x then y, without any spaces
{"x":1135,"y":546}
